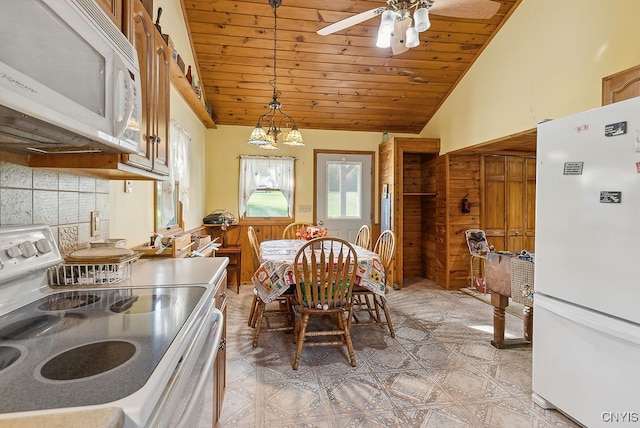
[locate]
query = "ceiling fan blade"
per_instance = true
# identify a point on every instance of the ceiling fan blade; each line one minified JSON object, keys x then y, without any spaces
{"x":473,"y":9}
{"x":398,"y":39}
{"x":351,"y":21}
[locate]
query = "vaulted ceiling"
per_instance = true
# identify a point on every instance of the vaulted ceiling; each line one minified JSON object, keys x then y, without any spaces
{"x":340,"y":81}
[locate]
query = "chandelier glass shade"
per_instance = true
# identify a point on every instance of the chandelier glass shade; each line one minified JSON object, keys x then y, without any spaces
{"x":275,"y":118}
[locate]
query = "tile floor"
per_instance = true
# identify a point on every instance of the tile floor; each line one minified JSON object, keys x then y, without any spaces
{"x":439,"y":371}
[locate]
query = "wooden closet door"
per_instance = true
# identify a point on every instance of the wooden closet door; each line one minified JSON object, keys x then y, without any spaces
{"x":494,"y":208}
{"x":508,"y":202}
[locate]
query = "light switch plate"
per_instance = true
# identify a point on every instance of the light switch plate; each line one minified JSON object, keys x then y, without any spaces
{"x":95,"y":223}
{"x":128,"y":186}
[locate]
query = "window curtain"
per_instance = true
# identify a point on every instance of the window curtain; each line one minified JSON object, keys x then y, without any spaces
{"x":179,"y":140}
{"x":265,"y":172}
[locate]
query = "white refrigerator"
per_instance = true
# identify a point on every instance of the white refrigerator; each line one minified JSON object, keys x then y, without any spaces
{"x":586,"y":334}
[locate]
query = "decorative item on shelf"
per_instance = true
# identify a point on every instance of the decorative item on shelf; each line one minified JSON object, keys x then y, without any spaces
{"x":181,"y":63}
{"x":268,"y":140}
{"x":311,"y":232}
{"x":189,"y":75}
{"x":158,"y":20}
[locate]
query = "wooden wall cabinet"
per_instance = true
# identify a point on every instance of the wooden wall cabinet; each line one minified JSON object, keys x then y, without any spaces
{"x":154,"y":59}
{"x":621,"y":86}
{"x":113,"y":9}
{"x":408,"y":168}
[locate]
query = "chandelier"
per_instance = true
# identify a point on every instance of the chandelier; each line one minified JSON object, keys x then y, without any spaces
{"x":275,"y":118}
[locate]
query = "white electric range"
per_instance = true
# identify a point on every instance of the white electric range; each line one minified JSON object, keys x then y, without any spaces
{"x":141,"y":345}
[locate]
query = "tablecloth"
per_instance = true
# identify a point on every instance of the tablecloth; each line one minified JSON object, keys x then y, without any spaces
{"x":275,"y":274}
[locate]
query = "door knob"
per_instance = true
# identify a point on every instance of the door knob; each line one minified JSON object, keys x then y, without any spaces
{"x":320,"y":223}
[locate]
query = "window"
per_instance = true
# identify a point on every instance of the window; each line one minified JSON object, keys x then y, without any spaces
{"x":266,"y":186}
{"x":344,"y":187}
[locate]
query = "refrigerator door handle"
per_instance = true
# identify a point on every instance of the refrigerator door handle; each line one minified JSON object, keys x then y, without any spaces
{"x":598,"y":321}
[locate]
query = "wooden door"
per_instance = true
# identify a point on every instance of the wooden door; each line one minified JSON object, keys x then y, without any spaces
{"x":508,"y":217}
{"x":494,"y":221}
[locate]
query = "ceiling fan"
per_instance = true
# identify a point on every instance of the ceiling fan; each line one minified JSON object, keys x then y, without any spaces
{"x":399,"y":29}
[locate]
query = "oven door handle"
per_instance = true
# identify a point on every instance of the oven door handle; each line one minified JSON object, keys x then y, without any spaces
{"x":216,"y":317}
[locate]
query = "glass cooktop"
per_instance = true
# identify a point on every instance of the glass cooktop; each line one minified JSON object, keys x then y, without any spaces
{"x":77,"y":348}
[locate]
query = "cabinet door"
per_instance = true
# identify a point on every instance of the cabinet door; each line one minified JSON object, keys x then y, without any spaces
{"x":160,"y":105}
{"x":621,"y":86}
{"x":220,"y":365}
{"x":141,"y":35}
{"x":113,"y":9}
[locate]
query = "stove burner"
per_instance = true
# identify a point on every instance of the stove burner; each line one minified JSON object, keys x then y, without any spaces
{"x":39,"y":326}
{"x":8,"y":356}
{"x":124,"y":304}
{"x":144,"y":304}
{"x":69,"y":301}
{"x":88,"y":360}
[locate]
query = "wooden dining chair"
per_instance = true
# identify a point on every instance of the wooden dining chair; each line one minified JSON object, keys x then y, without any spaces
{"x":290,"y":231}
{"x":367,"y":301}
{"x":324,"y":273}
{"x":363,"y":238}
{"x":259,"y":311}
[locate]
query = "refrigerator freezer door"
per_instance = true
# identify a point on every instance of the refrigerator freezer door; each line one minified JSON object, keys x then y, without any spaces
{"x":586,"y":363}
{"x":587,"y":205}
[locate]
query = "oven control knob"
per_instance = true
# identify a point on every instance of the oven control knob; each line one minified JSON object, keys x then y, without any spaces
{"x":28,"y":249}
{"x":14,"y":252}
{"x":43,"y":245}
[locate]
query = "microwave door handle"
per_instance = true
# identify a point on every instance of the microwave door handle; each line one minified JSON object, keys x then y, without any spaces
{"x":123,"y":105}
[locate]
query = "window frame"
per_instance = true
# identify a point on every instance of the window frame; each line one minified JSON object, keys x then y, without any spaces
{"x":243,"y":219}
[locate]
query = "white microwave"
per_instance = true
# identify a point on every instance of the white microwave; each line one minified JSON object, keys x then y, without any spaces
{"x":69,"y":79}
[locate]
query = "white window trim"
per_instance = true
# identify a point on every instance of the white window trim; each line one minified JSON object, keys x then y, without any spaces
{"x":281,"y":171}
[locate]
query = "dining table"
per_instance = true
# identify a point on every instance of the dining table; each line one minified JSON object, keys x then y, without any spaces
{"x":275,"y":274}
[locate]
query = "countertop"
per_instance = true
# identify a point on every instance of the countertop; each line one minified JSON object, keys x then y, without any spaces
{"x":110,"y":417}
{"x":170,"y":271}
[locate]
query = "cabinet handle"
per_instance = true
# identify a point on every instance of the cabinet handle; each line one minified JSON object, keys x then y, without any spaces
{"x":151,"y":138}
{"x":223,"y":344}
{"x":223,"y":295}
{"x":158,"y":139}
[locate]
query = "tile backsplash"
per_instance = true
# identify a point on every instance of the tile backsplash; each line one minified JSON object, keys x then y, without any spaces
{"x":63,"y":201}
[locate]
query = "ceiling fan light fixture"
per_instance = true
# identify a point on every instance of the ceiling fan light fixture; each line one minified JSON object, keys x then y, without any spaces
{"x":384,"y":39}
{"x":387,"y":22}
{"x":413,"y":37}
{"x":421,"y":19}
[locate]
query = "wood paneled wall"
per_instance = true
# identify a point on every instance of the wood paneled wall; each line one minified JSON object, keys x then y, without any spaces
{"x":458,"y":177}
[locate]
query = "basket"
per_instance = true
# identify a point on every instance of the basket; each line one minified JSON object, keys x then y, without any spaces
{"x":522,"y":281}
{"x":92,"y":273}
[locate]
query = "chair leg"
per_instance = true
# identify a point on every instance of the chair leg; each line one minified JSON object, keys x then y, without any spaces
{"x":252,"y":312}
{"x":343,"y":324}
{"x":300,"y":334}
{"x":260,"y":307}
{"x":383,"y":303}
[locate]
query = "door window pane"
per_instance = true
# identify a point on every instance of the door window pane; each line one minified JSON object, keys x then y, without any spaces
{"x":344,"y":185}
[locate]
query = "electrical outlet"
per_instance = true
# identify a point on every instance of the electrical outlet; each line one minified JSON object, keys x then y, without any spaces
{"x":305,"y":208}
{"x":95,"y":223}
{"x":128,"y":186}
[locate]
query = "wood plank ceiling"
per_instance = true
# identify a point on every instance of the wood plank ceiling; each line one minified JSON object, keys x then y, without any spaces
{"x":339,"y":82}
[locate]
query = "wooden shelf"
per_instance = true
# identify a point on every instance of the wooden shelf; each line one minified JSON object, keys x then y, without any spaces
{"x":183,"y":86}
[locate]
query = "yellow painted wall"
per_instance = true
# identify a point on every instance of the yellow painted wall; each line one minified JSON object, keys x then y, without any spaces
{"x":548,"y":61}
{"x":227,"y":143}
